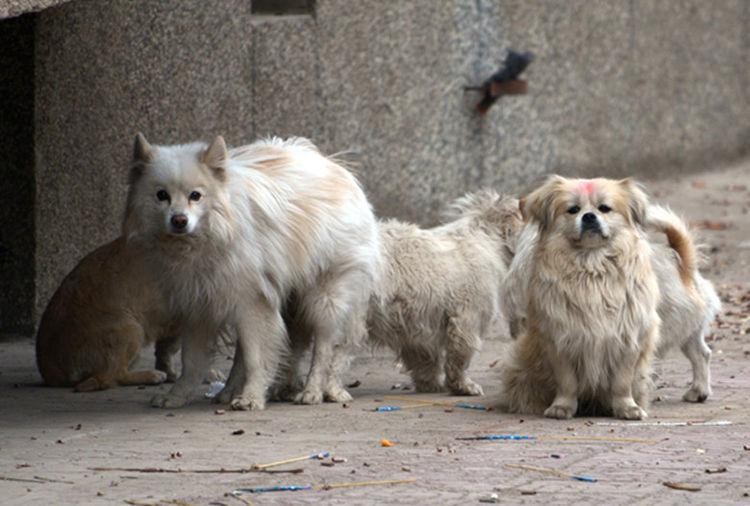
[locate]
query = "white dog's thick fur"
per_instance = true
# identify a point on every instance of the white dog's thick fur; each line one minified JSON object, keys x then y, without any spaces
{"x":232,"y":234}
{"x":440,"y":289}
{"x":590,"y":296}
{"x":689,"y":303}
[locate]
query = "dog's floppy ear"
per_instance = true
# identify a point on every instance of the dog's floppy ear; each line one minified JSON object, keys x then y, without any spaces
{"x":215,"y":157}
{"x":537,"y":205}
{"x":143,"y":154}
{"x":637,"y":200}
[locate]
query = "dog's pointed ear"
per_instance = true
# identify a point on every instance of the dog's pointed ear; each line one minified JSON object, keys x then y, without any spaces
{"x":216,"y":156}
{"x":143,"y":154}
{"x":637,"y":200}
{"x":142,"y":150}
{"x":537,"y":205}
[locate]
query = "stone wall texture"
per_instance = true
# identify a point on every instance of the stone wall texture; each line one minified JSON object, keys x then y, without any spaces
{"x":619,"y":87}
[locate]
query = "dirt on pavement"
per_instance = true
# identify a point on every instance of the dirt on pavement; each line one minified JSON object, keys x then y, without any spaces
{"x":54,"y":437}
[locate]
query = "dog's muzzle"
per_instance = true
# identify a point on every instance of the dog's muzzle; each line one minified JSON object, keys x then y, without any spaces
{"x":179,"y":223}
{"x":590,"y":223}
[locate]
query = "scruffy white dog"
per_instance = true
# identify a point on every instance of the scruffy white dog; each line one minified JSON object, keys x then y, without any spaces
{"x":232,"y":234}
{"x":687,"y":303}
{"x":439,"y":292}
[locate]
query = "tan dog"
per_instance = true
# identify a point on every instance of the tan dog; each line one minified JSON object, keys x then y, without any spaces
{"x":98,"y":320}
{"x":592,"y":295}
{"x":232,"y":234}
{"x":688,"y":304}
{"x":440,"y":289}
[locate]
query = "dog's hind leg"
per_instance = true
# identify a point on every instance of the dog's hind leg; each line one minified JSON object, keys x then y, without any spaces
{"x":333,"y":309}
{"x":462,"y":341}
{"x":99,"y":381}
{"x":166,"y":349}
{"x":147,"y":377}
{"x":425,"y":367}
{"x":699,"y":354}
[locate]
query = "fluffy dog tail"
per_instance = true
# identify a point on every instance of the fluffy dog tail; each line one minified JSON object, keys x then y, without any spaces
{"x":664,"y":220}
{"x":489,"y":207}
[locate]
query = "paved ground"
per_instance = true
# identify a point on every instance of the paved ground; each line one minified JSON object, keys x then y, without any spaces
{"x":52,"y":434}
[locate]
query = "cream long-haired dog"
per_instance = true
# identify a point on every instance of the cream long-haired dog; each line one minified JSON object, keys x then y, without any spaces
{"x":688,"y":303}
{"x":591,"y":297}
{"x":439,"y":293}
{"x":232,"y":234}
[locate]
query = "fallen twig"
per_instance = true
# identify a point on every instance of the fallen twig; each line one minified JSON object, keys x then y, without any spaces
{"x":553,"y":472}
{"x":319,"y":456}
{"x":682,"y":486}
{"x":330,"y":486}
{"x":242,"y":470}
{"x":23,"y":480}
{"x":599,"y":438}
{"x":665,"y":424}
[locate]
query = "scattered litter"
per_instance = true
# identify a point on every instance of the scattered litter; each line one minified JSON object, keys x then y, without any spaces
{"x":746,"y":447}
{"x":700,"y":451}
{"x":238,"y":432}
{"x":709,"y":225}
{"x":387,"y":408}
{"x":275,"y":488}
{"x":528,"y":492}
{"x":326,"y":463}
{"x":698,"y":184}
{"x":406,"y":469}
{"x":665,"y":424}
{"x":492,"y":498}
{"x":354,"y":384}
{"x":716,"y":470}
{"x":682,"y":486}
{"x":553,"y":472}
{"x":496,"y":437}
{"x":386,"y":443}
{"x":396,"y":386}
{"x":331,"y":486}
{"x":466,"y":405}
{"x":219,"y":412}
{"x":338,"y":460}
{"x":213,"y":389}
{"x":319,"y":456}
{"x":494,"y":363}
{"x":554,"y":456}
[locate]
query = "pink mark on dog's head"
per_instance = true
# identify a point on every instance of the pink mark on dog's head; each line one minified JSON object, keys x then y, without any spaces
{"x":586,"y":187}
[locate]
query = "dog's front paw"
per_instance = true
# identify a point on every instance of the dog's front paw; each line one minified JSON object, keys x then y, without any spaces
{"x":337,"y":394}
{"x":630,"y":413}
{"x":168,"y":401}
{"x":249,"y":403}
{"x":696,"y":394}
{"x":309,"y":396}
{"x":559,"y":411}
{"x":468,"y":387}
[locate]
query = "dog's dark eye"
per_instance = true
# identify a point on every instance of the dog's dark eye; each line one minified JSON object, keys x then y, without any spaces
{"x":195,"y":196}
{"x":573,"y":210}
{"x":604,"y":208}
{"x":162,"y":195}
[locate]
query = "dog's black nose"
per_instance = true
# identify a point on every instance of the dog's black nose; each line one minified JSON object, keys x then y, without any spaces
{"x":179,"y":221}
{"x":588,"y":218}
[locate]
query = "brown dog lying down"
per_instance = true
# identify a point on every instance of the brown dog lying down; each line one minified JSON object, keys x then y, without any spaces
{"x":104,"y":312}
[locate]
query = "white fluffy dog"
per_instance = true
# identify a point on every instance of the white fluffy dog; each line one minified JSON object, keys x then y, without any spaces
{"x":440,"y":289}
{"x":232,"y":234}
{"x":687,"y":303}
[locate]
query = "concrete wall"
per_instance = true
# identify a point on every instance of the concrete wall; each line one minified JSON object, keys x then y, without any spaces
{"x":619,"y":87}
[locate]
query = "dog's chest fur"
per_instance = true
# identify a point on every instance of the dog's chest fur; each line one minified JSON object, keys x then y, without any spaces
{"x":594,"y":307}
